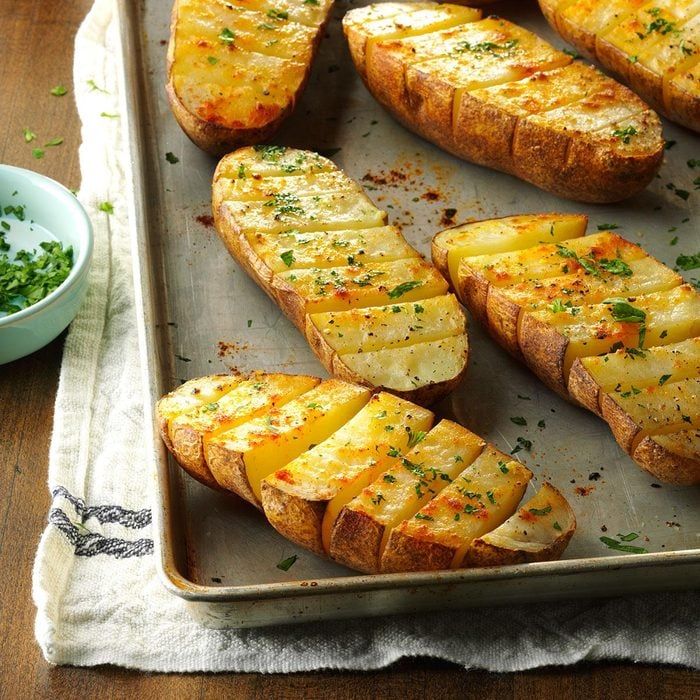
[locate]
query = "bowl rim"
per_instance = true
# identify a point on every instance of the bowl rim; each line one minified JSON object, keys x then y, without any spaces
{"x":65,"y":198}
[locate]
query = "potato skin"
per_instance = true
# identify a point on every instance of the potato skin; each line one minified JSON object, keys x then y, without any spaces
{"x":502,"y":316}
{"x":623,"y":427}
{"x":485,"y":554}
{"x":228,"y":469}
{"x":295,"y":518}
{"x":544,"y":349}
{"x":584,"y":388}
{"x":406,"y":553}
{"x":353,"y":527}
{"x":188,"y":450}
{"x":665,"y":465}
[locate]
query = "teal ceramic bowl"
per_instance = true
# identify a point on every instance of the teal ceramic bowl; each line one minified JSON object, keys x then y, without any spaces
{"x":51,"y":213}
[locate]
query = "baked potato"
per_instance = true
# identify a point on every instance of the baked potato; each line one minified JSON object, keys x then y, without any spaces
{"x":597,"y":319}
{"x":237,"y":68}
{"x":372,"y":309}
{"x":362,"y":478}
{"x":652,"y":46}
{"x":495,"y":94}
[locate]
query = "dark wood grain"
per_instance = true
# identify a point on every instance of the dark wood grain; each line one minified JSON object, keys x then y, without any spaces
{"x":37,"y":48}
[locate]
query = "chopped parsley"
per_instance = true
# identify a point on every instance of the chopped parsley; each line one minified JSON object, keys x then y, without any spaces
{"x":688,"y":262}
{"x":503,"y":466}
{"x":610,"y":543}
{"x":629,"y":537}
{"x":518,"y":420}
{"x":540,"y":511}
{"x":558,"y":306}
{"x":414,"y":437}
{"x":607,"y":227}
{"x":287,"y":257}
{"x":213,"y":60}
{"x":277,"y":14}
{"x":95,"y":87}
{"x":616,"y":267}
{"x":556,"y":526}
{"x":663,"y":379}
{"x":422,"y":516}
{"x":171,"y":158}
{"x":31,"y":276}
{"x":29,"y":135}
{"x":389,"y":478}
{"x":284,"y":203}
{"x":59,"y":91}
{"x":402,"y":288}
{"x":487,"y":47}
{"x":38,"y":153}
{"x":521,"y":444}
{"x":378,"y":499}
{"x":106,"y":207}
{"x":624,"y":312}
{"x":286,"y":564}
{"x":625,"y":135}
{"x":227,"y":36}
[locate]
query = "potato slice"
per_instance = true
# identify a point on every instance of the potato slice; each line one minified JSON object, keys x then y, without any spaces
{"x":652,"y":410}
{"x":317,"y":245}
{"x":436,"y":82}
{"x":240,"y":458}
{"x":190,"y":395}
{"x":509,"y":233}
{"x":294,"y":250}
{"x":654,"y":46}
{"x":303,"y":499}
{"x":388,"y":327}
{"x":362,"y":529}
{"x":235,"y":69}
{"x":674,"y":458}
{"x":439,"y":535}
{"x":189,"y":432}
{"x":629,"y":367}
{"x":550,"y":341}
{"x":539,"y":531}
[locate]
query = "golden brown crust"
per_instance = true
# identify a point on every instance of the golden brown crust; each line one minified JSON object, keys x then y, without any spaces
{"x":356,"y":541}
{"x":623,"y":427}
{"x":544,"y":350}
{"x":665,"y":465}
{"x":406,"y":553}
{"x":188,"y":450}
{"x":502,"y":316}
{"x":296,"y":519}
{"x":228,"y":469}
{"x":583,"y":387}
{"x":473,"y":292}
{"x":485,"y":554}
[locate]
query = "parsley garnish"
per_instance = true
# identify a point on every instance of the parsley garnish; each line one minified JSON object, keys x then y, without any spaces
{"x":286,"y":564}
{"x":29,"y":135}
{"x":541,"y":511}
{"x":287,"y":257}
{"x":521,"y":444}
{"x":625,"y":135}
{"x":414,"y":437}
{"x":556,"y":526}
{"x":171,"y":158}
{"x":106,"y":207}
{"x":402,"y":288}
{"x":213,"y":60}
{"x":614,"y":544}
{"x":421,"y":516}
{"x":95,"y":87}
{"x":389,"y":478}
{"x":59,"y":91}
{"x":503,"y":466}
{"x":624,"y":312}
{"x":663,"y":379}
{"x":518,"y":420}
{"x":277,"y":14}
{"x":688,"y":262}
{"x":227,"y":36}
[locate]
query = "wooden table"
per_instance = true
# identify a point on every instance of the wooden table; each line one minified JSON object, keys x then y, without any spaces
{"x":37,"y":48}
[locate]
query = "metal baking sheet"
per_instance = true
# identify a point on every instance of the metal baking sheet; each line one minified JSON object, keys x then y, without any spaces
{"x":200,"y":314}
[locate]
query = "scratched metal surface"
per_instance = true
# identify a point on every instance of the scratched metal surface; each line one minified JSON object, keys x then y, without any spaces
{"x":218,"y":318}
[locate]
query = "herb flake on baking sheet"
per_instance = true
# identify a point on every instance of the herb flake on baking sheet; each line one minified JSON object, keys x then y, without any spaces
{"x":38,"y":153}
{"x":28,"y":134}
{"x":521,"y":444}
{"x":607,"y":227}
{"x":94,"y":87}
{"x":106,"y":207}
{"x":688,"y":262}
{"x":518,"y":420}
{"x":610,"y":543}
{"x":171,"y":158}
{"x":286,"y":564}
{"x":57,"y":141}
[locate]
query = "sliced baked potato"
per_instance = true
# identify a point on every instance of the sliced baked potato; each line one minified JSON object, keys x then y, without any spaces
{"x":237,"y":68}
{"x":348,"y":474}
{"x":595,"y":317}
{"x":372,"y":309}
{"x":652,"y":46}
{"x":539,"y":531}
{"x":496,"y":94}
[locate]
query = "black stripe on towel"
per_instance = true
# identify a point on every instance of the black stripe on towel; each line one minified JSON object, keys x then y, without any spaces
{"x":89,"y":544}
{"x":135,"y":519}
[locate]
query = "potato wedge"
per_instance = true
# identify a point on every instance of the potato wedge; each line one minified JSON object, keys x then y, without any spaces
{"x":625,"y":368}
{"x":539,"y":531}
{"x":236,"y":69}
{"x":339,"y":470}
{"x":190,"y":431}
{"x":674,"y":457}
{"x":314,"y":487}
{"x":497,"y":95}
{"x":372,"y":309}
{"x":438,"y":536}
{"x":192,"y":394}
{"x":596,"y":318}
{"x":362,"y":529}
{"x":240,"y":458}
{"x":653,"y":46}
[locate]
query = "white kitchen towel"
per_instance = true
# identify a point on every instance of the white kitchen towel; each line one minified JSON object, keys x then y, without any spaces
{"x":98,"y":597}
